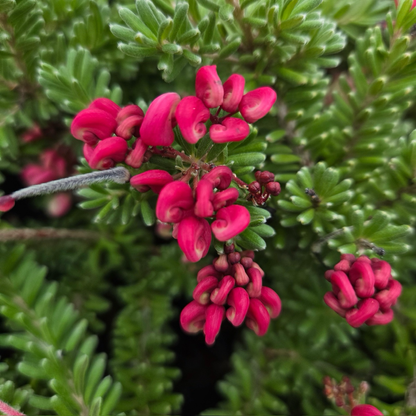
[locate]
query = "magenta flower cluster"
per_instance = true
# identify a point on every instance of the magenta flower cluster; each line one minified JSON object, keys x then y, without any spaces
{"x":233,"y":279}
{"x":367,"y":279}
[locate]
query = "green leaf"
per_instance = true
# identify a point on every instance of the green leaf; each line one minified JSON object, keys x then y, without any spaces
{"x":148,"y":214}
{"x":306,"y":217}
{"x":246,"y":159}
{"x":250,"y":240}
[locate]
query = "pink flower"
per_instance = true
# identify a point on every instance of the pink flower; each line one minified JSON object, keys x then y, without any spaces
{"x":203,"y":290}
{"x":59,"y":204}
{"x":239,"y":302}
{"x":206,"y":272}
{"x":219,"y":294}
{"x":258,"y":317}
{"x":129,"y":111}
{"x":255,"y":285}
{"x":32,"y":134}
{"x":154,"y":179}
{"x":34,"y":174}
{"x":214,"y":316}
{"x":174,"y":200}
{"x":271,"y":300}
{"x":129,"y":127}
{"x":6,"y":203}
{"x":241,"y":277}
{"x":332,"y":301}
{"x":136,"y":154}
{"x":157,"y":127}
{"x":194,"y":237}
{"x":192,"y":317}
{"x":208,"y":86}
{"x":106,"y":105}
{"x":343,"y":290}
{"x":107,"y":153}
{"x":231,"y":129}
{"x":233,"y":93}
{"x":92,"y":124}
{"x":382,"y":272}
{"x":191,"y":115}
{"x":365,"y":410}
{"x":230,"y":221}
{"x":362,"y":277}
{"x":204,"y":196}
{"x":257,"y":103}
{"x":388,"y":296}
{"x":220,"y":177}
{"x":367,"y":308}
{"x":382,"y":317}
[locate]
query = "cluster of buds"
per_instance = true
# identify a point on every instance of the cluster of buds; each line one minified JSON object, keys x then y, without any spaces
{"x":188,"y":210}
{"x":263,"y":187}
{"x":367,"y":279}
{"x":233,"y":279}
{"x":345,"y":396}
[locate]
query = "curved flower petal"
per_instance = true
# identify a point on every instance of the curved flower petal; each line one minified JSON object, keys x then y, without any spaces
{"x":257,"y":103}
{"x":156,"y":129}
{"x":255,"y":285}
{"x":220,"y":177}
{"x":271,"y":300}
{"x":231,"y":129}
{"x":332,"y":301}
{"x":191,"y":114}
{"x":382,"y":272}
{"x":108,"y":152}
{"x":203,"y":290}
{"x":192,"y":317}
{"x":136,"y":154}
{"x":174,"y":199}
{"x":367,"y":308}
{"x":204,"y":196}
{"x":129,"y":127}
{"x":224,"y":198}
{"x":343,"y":290}
{"x":239,"y":302}
{"x":128,"y":111}
{"x":194,"y":237}
{"x":156,"y":179}
{"x":106,"y":105}
{"x":388,"y":296}
{"x":208,"y":86}
{"x":213,"y":319}
{"x":219,"y":295}
{"x":230,"y":221}
{"x":206,"y":272}
{"x":258,"y":317}
{"x":365,"y":410}
{"x":362,"y":278}
{"x":233,"y":93}
{"x":382,"y":317}
{"x":240,"y":274}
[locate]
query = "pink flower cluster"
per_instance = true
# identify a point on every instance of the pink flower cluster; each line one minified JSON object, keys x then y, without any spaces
{"x":187,"y":209}
{"x":367,"y":279}
{"x":234,"y":279}
{"x":263,"y":187}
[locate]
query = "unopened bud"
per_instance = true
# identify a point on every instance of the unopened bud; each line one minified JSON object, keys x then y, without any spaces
{"x":266,"y":177}
{"x":273,"y":188}
{"x":254,"y":187}
{"x":234,"y":258}
{"x":221,"y":263}
{"x":229,"y":248}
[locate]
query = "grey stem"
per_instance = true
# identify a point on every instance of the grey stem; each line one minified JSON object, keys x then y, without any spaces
{"x":117,"y":175}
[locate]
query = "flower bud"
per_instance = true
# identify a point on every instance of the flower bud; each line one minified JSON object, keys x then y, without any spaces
{"x":382,"y":272}
{"x":239,"y":302}
{"x":266,"y":177}
{"x":248,"y":253}
{"x":367,"y":308}
{"x":365,"y":410}
{"x":230,"y":221}
{"x":107,"y":105}
{"x":129,"y":127}
{"x":258,"y":317}
{"x":107,"y":153}
{"x":174,"y":200}
{"x":221,"y":263}
{"x":343,"y":290}
{"x":128,"y":111}
{"x":271,"y":300}
{"x":204,"y":196}
{"x":234,"y":258}
{"x":59,"y":204}
{"x":220,"y":177}
{"x":206,"y":272}
{"x":192,"y":317}
{"x":135,"y":156}
{"x":203,"y":290}
{"x":6,"y":203}
{"x":219,"y":295}
{"x":224,"y":198}
{"x":254,"y":187}
{"x":34,"y":174}
{"x":231,"y":129}
{"x":213,"y":319}
{"x":332,"y":301}
{"x":155,"y":179}
{"x":382,"y":317}
{"x":229,"y":248}
{"x":208,"y":86}
{"x":240,"y":275}
{"x":342,"y":266}
{"x":247,"y":262}
{"x":233,"y":93}
{"x":388,"y":296}
{"x":255,"y":285}
{"x":273,"y":188}
{"x":362,"y":278}
{"x":194,"y":237}
{"x":257,"y":103}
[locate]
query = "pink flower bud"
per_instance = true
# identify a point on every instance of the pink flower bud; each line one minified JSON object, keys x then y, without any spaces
{"x":230,"y":130}
{"x":214,"y":316}
{"x":382,"y":317}
{"x":271,"y":300}
{"x":265,"y":177}
{"x":258,"y":317}
{"x":206,"y":272}
{"x":157,"y":125}
{"x":328,"y":274}
{"x":129,"y":127}
{"x":220,"y":177}
{"x":255,"y":285}
{"x":156,"y":179}
{"x":364,"y":259}
{"x":32,"y":134}
{"x":247,"y":262}
{"x":362,"y":278}
{"x":203,"y":289}
{"x":367,"y":308}
{"x":365,"y":410}
{"x":204,"y":196}
{"x":224,"y":198}
{"x":241,"y":277}
{"x":233,"y":93}
{"x":34,"y":174}
{"x":59,"y":204}
{"x":174,"y":199}
{"x":332,"y":301}
{"x":194,"y":237}
{"x":256,"y":266}
{"x":191,"y":114}
{"x":257,"y":103}
{"x":107,"y":153}
{"x":248,"y":253}
{"x":382,"y":272}
{"x":6,"y":203}
{"x":388,"y":296}
{"x":221,"y":263}
{"x":343,"y":289}
{"x":234,"y":258}
{"x":254,"y":187}
{"x":105,"y":104}
{"x":52,"y":160}
{"x":230,"y":221}
{"x":220,"y":294}
{"x":208,"y":86}
{"x":136,"y":154}
{"x":87,"y":150}
{"x":91,"y":125}
{"x":239,"y":302}
{"x":128,"y":111}
{"x":192,"y":317}
{"x":229,"y":248}
{"x":342,"y":266}
{"x":273,"y":188}
{"x":349,"y":257}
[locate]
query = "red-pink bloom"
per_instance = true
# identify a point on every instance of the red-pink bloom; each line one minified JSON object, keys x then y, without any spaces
{"x":213,"y":319}
{"x":273,"y":188}
{"x":388,"y":296}
{"x":234,"y":257}
{"x":6,"y":203}
{"x":362,"y":278}
{"x":206,"y":272}
{"x":382,"y":317}
{"x":92,"y":124}
{"x":382,"y":272}
{"x":203,"y":290}
{"x":191,"y":114}
{"x":240,"y":274}
{"x":220,"y":177}
{"x":247,"y":262}
{"x":239,"y":302}
{"x":233,"y":93}
{"x":194,"y":237}
{"x":365,"y":409}
{"x":255,"y":285}
{"x":257,"y":103}
{"x":230,"y":221}
{"x":204,"y":196}
{"x":34,"y":174}
{"x":256,"y":266}
{"x":192,"y":317}
{"x":174,"y":200}
{"x":264,"y":177}
{"x":59,"y":204}
{"x":219,"y":295}
{"x":107,"y":153}
{"x":342,"y":266}
{"x":221,"y":263}
{"x":208,"y":86}
{"x":157,"y":127}
{"x":106,"y":105}
{"x":367,"y":308}
{"x":128,"y":111}
{"x":32,"y":134}
{"x":332,"y":301}
{"x":231,"y":129}
{"x":343,"y":290}
{"x":129,"y":127}
{"x":155,"y":179}
{"x":271,"y":300}
{"x":136,"y":154}
{"x":258,"y":317}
